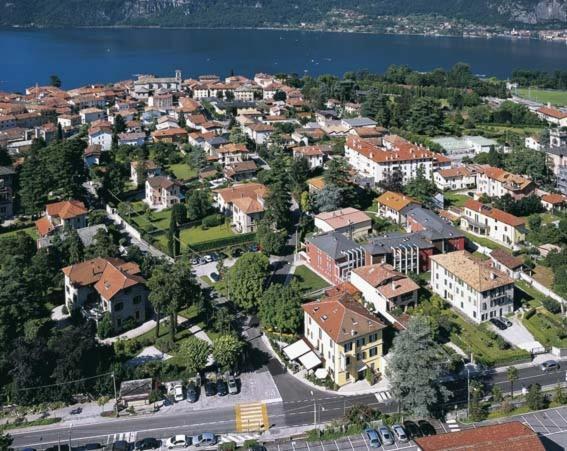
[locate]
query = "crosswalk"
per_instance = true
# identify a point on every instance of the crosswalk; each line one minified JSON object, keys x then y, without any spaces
{"x":125,"y":436}
{"x":453,"y":426}
{"x":251,"y":417}
{"x":384,"y":396}
{"x":239,"y":439}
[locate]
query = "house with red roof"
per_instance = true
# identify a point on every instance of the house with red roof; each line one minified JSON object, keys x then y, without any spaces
{"x":71,"y":214}
{"x":313,"y":154}
{"x":162,"y":192}
{"x":552,"y":116}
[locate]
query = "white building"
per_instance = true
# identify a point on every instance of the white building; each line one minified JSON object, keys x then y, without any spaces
{"x":89,"y":115}
{"x":475,"y":289}
{"x":495,"y":182}
{"x":455,"y":178}
{"x":313,"y":154}
{"x":162,"y":192}
{"x":102,"y":136}
{"x":348,"y":221}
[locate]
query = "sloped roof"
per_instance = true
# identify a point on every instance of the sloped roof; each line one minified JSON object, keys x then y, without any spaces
{"x":494,"y":213}
{"x":117,"y":278}
{"x":395,"y":201}
{"x":343,"y":218}
{"x":248,"y":205}
{"x":334,"y":244}
{"x":386,"y":279}
{"x":66,"y":209}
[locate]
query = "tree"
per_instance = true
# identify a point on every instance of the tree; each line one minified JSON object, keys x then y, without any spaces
{"x":178,"y":217}
{"x":103,"y":246}
{"x":394,"y":181}
{"x":54,"y":80}
{"x":425,"y":117}
{"x":181,"y":120}
{"x":330,"y":198}
{"x":194,"y":353}
{"x":245,"y":280}
{"x":377,"y":107}
{"x":512,"y":375}
{"x":298,"y":173}
{"x":535,"y":398}
{"x":34,"y":185}
{"x":227,"y":350}
{"x":198,"y":204}
{"x":420,"y":187}
{"x":337,"y":173}
{"x":415,"y":381}
{"x":184,"y":291}
{"x":74,"y":247}
{"x":160,"y":291}
{"x":60,"y":134}
{"x":119,"y":124}
{"x":5,"y":441}
{"x":277,"y":203}
{"x":104,"y":327}
{"x":271,"y":242}
{"x":280,"y":308}
{"x":280,"y":96}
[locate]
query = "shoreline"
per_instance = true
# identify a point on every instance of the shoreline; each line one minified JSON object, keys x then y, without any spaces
{"x":494,"y":35}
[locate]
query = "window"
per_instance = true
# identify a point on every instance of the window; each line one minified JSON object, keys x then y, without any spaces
{"x":360,"y":342}
{"x":348,"y":347}
{"x":373,"y":352}
{"x":137,"y":299}
{"x":119,"y":306}
{"x":347,"y":360}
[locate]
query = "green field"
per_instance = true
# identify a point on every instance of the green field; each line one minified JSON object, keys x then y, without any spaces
{"x":308,"y":280}
{"x":31,"y":231}
{"x":183,"y":171}
{"x":158,"y":219}
{"x":483,"y":241}
{"x":195,"y":235}
{"x":558,"y":98}
{"x":454,"y":199}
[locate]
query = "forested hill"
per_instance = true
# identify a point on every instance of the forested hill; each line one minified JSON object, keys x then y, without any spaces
{"x":323,"y":14}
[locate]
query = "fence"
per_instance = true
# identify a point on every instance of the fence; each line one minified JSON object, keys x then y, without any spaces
{"x":542,"y":289}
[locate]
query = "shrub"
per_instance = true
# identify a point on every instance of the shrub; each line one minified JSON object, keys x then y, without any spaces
{"x":104,"y":328}
{"x":531,"y":312}
{"x":212,"y":220}
{"x":229,"y":446}
{"x":551,"y":305}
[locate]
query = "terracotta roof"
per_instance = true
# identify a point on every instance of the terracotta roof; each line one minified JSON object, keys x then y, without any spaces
{"x":89,"y":272}
{"x":240,"y":167}
{"x":455,"y":172}
{"x":343,"y":218}
{"x":402,"y":150}
{"x":513,"y":181}
{"x":554,"y":199}
{"x":494,"y":213}
{"x":395,"y":201}
{"x":233,"y":148}
{"x":116,"y":278}
{"x":508,"y":260}
{"x":477,"y":275}
{"x":44,"y":226}
{"x":552,"y":112}
{"x":342,"y":318}
{"x":317,"y":182}
{"x":243,"y":190}
{"x":66,"y":209}
{"x":512,"y":436}
{"x":344,"y":287}
{"x":386,"y":279}
{"x":169,"y":132}
{"x":248,"y":205}
{"x":308,"y":151}
{"x":160,"y":182}
{"x":93,"y":149}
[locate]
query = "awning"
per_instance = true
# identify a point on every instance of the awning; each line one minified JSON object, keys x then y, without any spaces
{"x":321,"y":373}
{"x":296,"y":350}
{"x":310,"y":360}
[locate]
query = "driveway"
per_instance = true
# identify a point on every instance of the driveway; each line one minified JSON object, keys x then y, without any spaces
{"x":518,"y":335}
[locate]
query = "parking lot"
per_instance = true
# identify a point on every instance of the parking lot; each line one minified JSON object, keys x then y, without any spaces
{"x":518,"y":335}
{"x":353,"y":443}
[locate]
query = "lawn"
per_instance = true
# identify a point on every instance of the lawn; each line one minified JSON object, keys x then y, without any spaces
{"x":483,"y":241}
{"x":547,"y":328}
{"x":308,"y":280}
{"x":196,"y":235}
{"x":183,"y":171}
{"x":526,"y":294}
{"x":31,"y":231}
{"x":157,"y":219}
{"x":543,"y":275}
{"x":455,"y":200}
{"x":477,"y":339}
{"x":558,"y":98}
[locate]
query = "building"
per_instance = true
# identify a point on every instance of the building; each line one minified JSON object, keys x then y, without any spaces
{"x":239,"y":171}
{"x":349,"y":221}
{"x":512,"y":435}
{"x":496,"y":182}
{"x":259,"y":133}
{"x":162,"y":192}
{"x":101,"y":135}
{"x":106,"y":285}
{"x":313,"y":154}
{"x":508,"y":264}
{"x":232,"y":153}
{"x":131,"y":139}
{"x":552,"y":116}
{"x":499,"y":226}
{"x":67,"y":214}
{"x":453,"y":179}
{"x":554,"y":202}
{"x":136,"y":393}
{"x":534,"y":143}
{"x":86,"y":235}
{"x":346,"y":336}
{"x":385,"y":288}
{"x":247,"y":212}
{"x":162,"y":100}
{"x":224,"y":197}
{"x":476,"y":289}
{"x":141,"y":170}
{"x":456,"y":148}
{"x":146,"y":84}
{"x":6,"y":192}
{"x":89,"y":115}
{"x":394,"y":206}
{"x":171,"y":135}
{"x":334,"y":256}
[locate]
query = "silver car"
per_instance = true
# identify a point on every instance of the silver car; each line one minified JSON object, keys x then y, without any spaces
{"x":400,"y":433}
{"x":386,"y":435}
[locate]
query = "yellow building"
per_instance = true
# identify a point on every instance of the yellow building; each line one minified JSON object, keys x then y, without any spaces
{"x":346,"y":336}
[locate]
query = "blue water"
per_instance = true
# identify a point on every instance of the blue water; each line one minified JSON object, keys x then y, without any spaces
{"x":81,"y":56}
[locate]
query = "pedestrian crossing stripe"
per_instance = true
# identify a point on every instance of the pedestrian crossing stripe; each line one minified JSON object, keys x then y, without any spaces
{"x":238,"y":438}
{"x":453,"y":425}
{"x":383,"y":396}
{"x":126,"y":436}
{"x":251,"y":417}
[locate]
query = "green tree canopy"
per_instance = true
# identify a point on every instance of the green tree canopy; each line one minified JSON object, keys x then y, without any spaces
{"x":194,"y":353}
{"x":245,"y":280}
{"x":227,"y":351}
{"x":280,"y":308}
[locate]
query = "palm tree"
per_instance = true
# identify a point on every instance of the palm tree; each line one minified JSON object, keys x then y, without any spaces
{"x":512,"y":374}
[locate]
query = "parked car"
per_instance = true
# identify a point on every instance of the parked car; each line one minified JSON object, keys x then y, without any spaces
{"x":195,"y":261}
{"x":178,"y":393}
{"x":204,"y":439}
{"x":232,"y":385}
{"x":257,"y":448}
{"x":222,"y":389}
{"x":210,"y":388}
{"x":215,"y":276}
{"x":76,"y":411}
{"x":506,"y":321}
{"x":400,"y":433}
{"x":58,"y":448}
{"x":253,"y":248}
{"x":385,"y":435}
{"x":550,"y":365}
{"x":29,"y":449}
{"x":147,"y":443}
{"x":498,"y":323}
{"x":412,"y":429}
{"x":426,"y":428}
{"x":193,"y":392}
{"x":178,"y":441}
{"x":373,"y":438}
{"x":208,"y":258}
{"x":121,"y":445}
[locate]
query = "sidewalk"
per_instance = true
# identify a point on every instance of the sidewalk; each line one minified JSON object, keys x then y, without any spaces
{"x":141,"y":330}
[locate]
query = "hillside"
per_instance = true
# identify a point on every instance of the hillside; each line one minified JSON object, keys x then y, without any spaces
{"x":321,"y":14}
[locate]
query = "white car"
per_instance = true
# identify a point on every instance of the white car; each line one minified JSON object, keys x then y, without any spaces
{"x":178,"y":441}
{"x":178,"y":393}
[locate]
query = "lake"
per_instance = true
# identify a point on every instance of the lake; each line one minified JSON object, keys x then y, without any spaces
{"x":81,"y":56}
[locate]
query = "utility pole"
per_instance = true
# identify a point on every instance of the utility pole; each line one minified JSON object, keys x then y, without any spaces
{"x":314,"y":409}
{"x":115,"y":395}
{"x":468,"y":392}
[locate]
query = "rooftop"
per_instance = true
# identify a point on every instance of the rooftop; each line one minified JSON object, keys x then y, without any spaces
{"x":395,"y":201}
{"x":333,"y":244}
{"x":342,"y":218}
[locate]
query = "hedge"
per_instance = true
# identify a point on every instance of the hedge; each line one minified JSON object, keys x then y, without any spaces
{"x":224,"y":242}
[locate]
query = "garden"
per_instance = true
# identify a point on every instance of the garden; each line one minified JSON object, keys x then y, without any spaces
{"x":307,"y":280}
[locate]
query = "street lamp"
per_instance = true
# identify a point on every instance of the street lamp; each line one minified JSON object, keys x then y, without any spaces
{"x":314,"y":409}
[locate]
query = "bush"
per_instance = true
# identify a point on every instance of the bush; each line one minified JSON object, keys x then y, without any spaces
{"x":212,"y":220}
{"x":229,"y":446}
{"x":551,"y":305}
{"x":531,"y":312}
{"x":104,"y":328}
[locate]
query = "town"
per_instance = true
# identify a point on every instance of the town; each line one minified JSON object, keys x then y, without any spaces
{"x":283,"y":262}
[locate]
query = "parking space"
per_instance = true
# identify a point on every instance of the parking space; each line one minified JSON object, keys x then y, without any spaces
{"x":518,"y":335}
{"x":353,"y":443}
{"x":253,"y":387}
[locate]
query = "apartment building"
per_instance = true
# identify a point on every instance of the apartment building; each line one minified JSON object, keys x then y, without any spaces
{"x":496,"y":182}
{"x":476,"y":289}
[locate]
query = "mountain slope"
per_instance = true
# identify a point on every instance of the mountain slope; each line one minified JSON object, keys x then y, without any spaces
{"x":287,"y":13}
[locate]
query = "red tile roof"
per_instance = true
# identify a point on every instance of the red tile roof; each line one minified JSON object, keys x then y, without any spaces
{"x":494,"y":213}
{"x":552,"y":112}
{"x":66,"y":209}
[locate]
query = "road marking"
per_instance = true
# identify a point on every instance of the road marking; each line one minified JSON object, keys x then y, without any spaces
{"x":541,"y":422}
{"x":547,"y":416}
{"x":251,"y":417}
{"x":453,"y":426}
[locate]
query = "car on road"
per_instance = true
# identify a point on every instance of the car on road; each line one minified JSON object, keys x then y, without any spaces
{"x":385,"y":435}
{"x":121,"y":445}
{"x":147,"y":443}
{"x":506,"y":321}
{"x":232,"y":385}
{"x":400,"y":433}
{"x":178,"y":393}
{"x":498,"y":323}
{"x":193,"y":392}
{"x":550,"y":365}
{"x":178,"y":441}
{"x":373,"y":438}
{"x":58,"y":448}
{"x":204,"y":439}
{"x":210,"y":388}
{"x":76,"y":411}
{"x":222,"y":389}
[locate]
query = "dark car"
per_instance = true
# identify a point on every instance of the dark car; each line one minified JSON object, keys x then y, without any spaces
{"x":210,"y":388}
{"x":147,"y":443}
{"x":222,"y":389}
{"x":28,"y":449}
{"x":215,"y":276}
{"x":76,"y":411}
{"x":193,"y":392}
{"x":412,"y":429}
{"x":257,"y":448}
{"x":58,"y":448}
{"x":498,"y":323}
{"x":426,"y":428}
{"x":92,"y":446}
{"x":121,"y":445}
